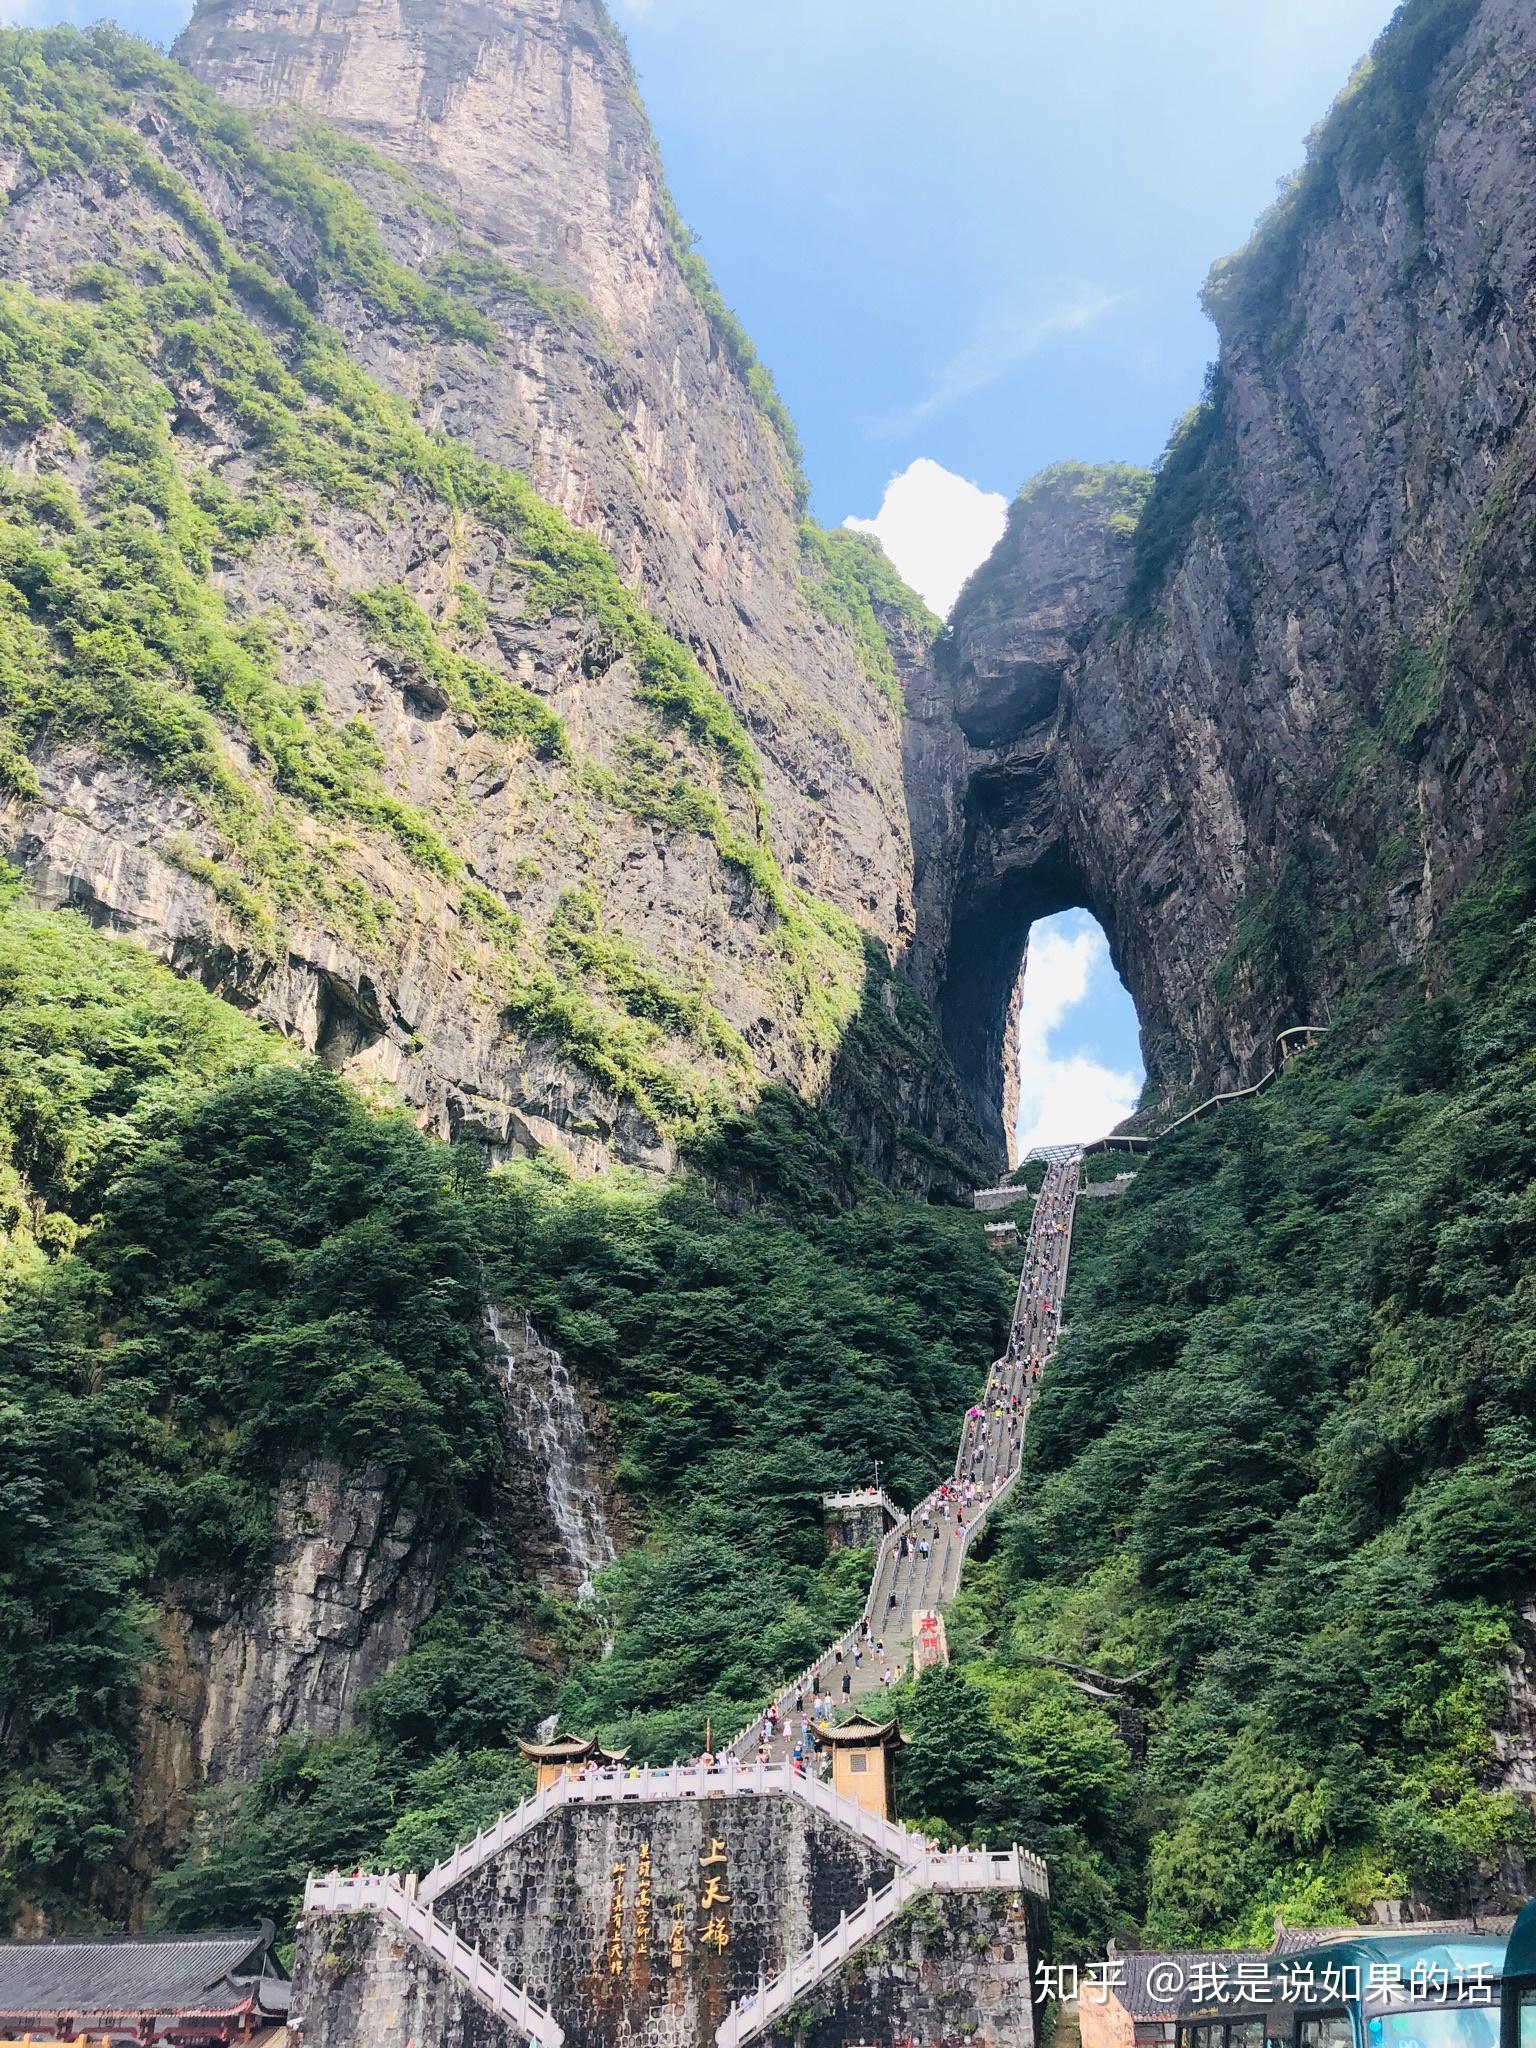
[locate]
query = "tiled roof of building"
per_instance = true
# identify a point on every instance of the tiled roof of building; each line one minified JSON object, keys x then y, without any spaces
{"x":199,"y":1974}
{"x":1146,"y":1973}
{"x":1288,"y":1940}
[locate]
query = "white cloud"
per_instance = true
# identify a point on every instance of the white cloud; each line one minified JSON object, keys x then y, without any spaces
{"x":1065,"y":1097}
{"x":936,"y":528}
{"x":1008,"y":336}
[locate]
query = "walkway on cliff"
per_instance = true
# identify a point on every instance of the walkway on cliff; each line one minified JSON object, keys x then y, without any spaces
{"x":905,"y":1583}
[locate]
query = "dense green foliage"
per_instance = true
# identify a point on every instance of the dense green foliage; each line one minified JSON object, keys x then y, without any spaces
{"x":749,"y":1363}
{"x":278,"y":1270}
{"x":99,"y":1045}
{"x":223,"y":1264}
{"x":852,"y":582}
{"x":1192,"y":479}
{"x":1008,"y":1753}
{"x":1285,"y":1464}
{"x":1030,"y":1175}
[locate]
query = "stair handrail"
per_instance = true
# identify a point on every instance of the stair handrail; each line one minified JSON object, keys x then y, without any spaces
{"x":729,"y":1778}
{"x":382,"y":1893}
{"x":1139,"y":1141}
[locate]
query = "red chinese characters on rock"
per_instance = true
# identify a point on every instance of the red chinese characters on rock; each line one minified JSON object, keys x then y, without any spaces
{"x":929,"y":1644}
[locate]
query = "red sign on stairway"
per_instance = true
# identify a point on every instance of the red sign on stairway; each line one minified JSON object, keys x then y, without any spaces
{"x":928,"y":1644}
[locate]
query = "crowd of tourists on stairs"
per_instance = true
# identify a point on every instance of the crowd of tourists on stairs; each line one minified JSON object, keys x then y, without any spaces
{"x":920,"y":1568}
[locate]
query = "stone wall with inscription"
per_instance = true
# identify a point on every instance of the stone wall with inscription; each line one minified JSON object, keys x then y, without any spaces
{"x":642,"y":1925}
{"x":645,"y":1923}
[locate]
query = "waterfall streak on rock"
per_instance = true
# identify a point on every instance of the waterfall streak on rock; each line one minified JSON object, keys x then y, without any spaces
{"x":546,"y":1417}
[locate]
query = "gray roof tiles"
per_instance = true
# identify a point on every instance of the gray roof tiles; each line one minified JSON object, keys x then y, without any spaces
{"x":200,"y":1973}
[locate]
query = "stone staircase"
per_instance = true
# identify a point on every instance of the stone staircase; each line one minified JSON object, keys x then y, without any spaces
{"x":904,"y":1583}
{"x":823,"y":1959}
{"x":936,"y":1870}
{"x":408,"y":1914}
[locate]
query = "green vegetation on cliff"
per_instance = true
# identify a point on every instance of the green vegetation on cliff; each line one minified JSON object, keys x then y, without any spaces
{"x":222,"y":1263}
{"x":1379,"y":121}
{"x":1284,"y":1469}
{"x":749,"y":1363}
{"x":853,"y":581}
{"x":1192,"y":481}
{"x":186,"y":409}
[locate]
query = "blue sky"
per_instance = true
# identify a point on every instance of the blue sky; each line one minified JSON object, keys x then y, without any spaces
{"x":975,"y":234}
{"x":969,"y":241}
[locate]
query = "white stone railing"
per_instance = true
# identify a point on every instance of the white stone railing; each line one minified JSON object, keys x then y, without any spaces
{"x":941,"y":1870}
{"x":726,"y":1780}
{"x":823,"y":1959}
{"x":388,"y":1898}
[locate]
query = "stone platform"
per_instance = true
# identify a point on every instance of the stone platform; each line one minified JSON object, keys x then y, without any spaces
{"x":672,"y":1921}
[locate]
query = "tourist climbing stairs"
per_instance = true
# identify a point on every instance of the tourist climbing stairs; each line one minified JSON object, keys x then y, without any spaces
{"x":919,"y":1562}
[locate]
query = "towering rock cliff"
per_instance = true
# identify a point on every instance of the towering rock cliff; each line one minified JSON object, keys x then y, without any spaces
{"x":578,"y":809}
{"x":523,"y":746}
{"x":1265,"y":714}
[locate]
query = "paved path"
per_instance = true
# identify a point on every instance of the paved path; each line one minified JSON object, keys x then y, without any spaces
{"x":906,"y":1582}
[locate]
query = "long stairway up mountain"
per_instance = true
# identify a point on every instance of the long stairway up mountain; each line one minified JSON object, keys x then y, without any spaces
{"x":918,"y":1565}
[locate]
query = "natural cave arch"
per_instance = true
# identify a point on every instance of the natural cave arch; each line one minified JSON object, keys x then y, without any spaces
{"x":984,"y":984}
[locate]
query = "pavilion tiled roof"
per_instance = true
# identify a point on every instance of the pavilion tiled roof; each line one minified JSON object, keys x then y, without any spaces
{"x":203,"y":1975}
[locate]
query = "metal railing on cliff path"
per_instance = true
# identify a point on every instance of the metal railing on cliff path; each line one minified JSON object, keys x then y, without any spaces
{"x":1294,"y":1039}
{"x":1285,"y":1049}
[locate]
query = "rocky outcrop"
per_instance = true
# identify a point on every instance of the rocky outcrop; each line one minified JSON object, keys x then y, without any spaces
{"x":350,"y":1579}
{"x":522,"y":115}
{"x":358,"y":1982}
{"x":984,"y":758}
{"x":1267,"y":727}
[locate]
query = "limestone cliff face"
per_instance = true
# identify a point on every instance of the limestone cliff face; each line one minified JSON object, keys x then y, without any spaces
{"x":1267,"y":735}
{"x":352,"y":1576}
{"x":499,"y":153}
{"x":522,"y":115}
